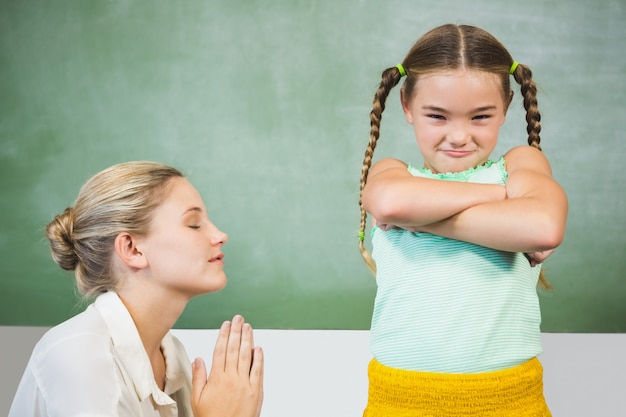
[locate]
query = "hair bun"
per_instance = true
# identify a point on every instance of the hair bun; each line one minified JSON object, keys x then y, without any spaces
{"x":60,"y":233}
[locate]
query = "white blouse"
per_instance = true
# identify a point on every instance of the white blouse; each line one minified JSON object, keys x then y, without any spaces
{"x":95,"y":365}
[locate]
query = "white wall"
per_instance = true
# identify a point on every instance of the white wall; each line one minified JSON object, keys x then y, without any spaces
{"x":312,"y":373}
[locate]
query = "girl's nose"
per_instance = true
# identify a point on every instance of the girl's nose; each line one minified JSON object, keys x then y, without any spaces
{"x":458,"y":137}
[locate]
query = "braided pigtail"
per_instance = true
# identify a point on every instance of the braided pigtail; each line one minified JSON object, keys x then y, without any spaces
{"x":390,"y":78}
{"x":523,"y":76}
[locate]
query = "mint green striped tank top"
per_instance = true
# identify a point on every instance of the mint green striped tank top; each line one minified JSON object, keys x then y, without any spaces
{"x":443,"y":305}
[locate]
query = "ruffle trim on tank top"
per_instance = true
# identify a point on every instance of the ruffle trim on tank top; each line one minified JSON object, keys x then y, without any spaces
{"x":461,"y":175}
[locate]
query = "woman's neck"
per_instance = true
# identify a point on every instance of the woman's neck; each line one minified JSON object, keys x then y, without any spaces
{"x":154,"y":312}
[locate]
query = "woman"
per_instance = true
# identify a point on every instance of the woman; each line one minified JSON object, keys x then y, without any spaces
{"x":140,"y":242}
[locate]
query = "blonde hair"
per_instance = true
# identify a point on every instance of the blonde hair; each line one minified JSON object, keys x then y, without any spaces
{"x":449,"y":47}
{"x":119,"y":198}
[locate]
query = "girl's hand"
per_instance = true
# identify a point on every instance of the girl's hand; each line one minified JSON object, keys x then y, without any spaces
{"x":535,"y":258}
{"x":386,"y":226}
{"x":234,"y":387}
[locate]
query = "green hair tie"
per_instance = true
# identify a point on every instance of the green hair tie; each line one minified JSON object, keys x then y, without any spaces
{"x":361,"y":236}
{"x":513,"y":67}
{"x":401,"y":69}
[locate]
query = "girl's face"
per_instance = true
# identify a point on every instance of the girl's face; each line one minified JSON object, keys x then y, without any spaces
{"x":456,"y":117}
{"x":183,"y":247}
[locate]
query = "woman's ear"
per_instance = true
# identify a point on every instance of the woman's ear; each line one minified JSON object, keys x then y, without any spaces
{"x":405,"y":107}
{"x":127,"y":251}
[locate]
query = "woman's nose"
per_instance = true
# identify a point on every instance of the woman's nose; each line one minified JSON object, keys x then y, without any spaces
{"x":218,"y":237}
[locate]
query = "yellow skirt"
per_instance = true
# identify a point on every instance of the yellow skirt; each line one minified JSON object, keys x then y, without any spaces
{"x":513,"y":392}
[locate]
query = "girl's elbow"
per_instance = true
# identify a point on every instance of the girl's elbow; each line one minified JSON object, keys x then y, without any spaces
{"x":551,"y":235}
{"x":380,"y":205}
{"x":384,"y":213}
{"x":551,"y":241}
{"x":551,"y":225}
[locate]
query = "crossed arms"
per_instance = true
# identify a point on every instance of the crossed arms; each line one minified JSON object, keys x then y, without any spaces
{"x":528,"y":214}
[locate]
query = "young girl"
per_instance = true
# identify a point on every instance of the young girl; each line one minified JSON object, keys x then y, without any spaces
{"x":138,"y":240}
{"x":457,"y":243}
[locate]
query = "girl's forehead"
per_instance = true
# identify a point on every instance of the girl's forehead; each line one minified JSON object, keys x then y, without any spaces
{"x":458,"y":91}
{"x":460,"y":73}
{"x":458,"y":81}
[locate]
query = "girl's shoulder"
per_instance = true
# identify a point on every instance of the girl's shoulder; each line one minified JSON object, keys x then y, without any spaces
{"x":387,"y":163}
{"x":526,"y":157}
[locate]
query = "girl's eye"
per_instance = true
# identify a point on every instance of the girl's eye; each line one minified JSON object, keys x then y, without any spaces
{"x":436,"y":116}
{"x":194,"y":227}
{"x":482,"y":117}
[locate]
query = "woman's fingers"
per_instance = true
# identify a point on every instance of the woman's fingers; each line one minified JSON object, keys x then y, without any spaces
{"x":234,"y":344}
{"x":256,"y":372}
{"x":234,"y":387}
{"x":245,"y":351}
{"x":233,"y":348}
{"x":198,"y":380}
{"x":221,"y":346}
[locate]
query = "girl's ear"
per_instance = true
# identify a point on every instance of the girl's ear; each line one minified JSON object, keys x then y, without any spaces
{"x":405,"y":107}
{"x":127,"y":251}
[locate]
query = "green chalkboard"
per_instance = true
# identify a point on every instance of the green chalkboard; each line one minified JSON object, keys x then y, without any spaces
{"x":264,"y":105}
